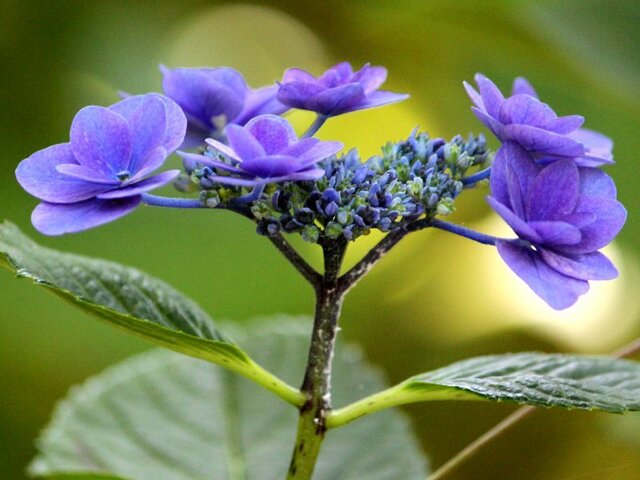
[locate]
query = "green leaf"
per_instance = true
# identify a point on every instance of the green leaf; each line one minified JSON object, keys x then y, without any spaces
{"x":544,"y":380}
{"x":161,"y":416}
{"x":132,"y":301}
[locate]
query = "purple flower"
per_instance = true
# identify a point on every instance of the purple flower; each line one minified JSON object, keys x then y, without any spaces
{"x":563,"y":214}
{"x":266,"y":150}
{"x":99,"y":175}
{"x":338,"y":90}
{"x":214,"y":97}
{"x":524,"y":119}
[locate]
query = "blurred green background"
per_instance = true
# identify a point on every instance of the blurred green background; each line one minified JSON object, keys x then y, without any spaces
{"x":433,"y":300}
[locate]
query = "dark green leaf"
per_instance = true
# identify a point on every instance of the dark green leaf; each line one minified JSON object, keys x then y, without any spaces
{"x":163,"y":416}
{"x":132,"y":301}
{"x":545,"y":380}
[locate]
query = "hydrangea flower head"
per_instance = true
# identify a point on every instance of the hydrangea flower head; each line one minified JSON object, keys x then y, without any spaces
{"x":214,"y":97}
{"x":266,"y":150}
{"x":99,"y":175}
{"x":338,"y":90}
{"x":563,"y":214}
{"x":524,"y":119}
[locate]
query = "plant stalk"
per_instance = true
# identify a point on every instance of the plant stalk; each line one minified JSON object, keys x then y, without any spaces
{"x":316,"y":385}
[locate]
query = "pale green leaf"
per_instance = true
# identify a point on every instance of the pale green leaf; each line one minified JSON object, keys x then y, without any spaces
{"x":164,"y":416}
{"x":132,"y":301}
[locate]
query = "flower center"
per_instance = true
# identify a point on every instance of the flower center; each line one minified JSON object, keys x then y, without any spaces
{"x":123,"y":175}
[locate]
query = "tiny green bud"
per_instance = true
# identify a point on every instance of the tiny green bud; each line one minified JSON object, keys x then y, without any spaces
{"x":445,"y":206}
{"x":333,"y":230}
{"x":210,"y":198}
{"x":310,"y":233}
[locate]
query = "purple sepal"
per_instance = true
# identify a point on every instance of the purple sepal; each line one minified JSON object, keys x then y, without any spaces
{"x":100,"y":174}
{"x":524,"y":119}
{"x":558,"y":290}
{"x":337,"y":91}
{"x":563,"y":214}
{"x":266,"y":150}
{"x":213,"y":98}
{"x":57,"y":219}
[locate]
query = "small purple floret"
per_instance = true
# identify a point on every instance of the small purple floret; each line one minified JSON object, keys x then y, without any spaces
{"x":214,"y":97}
{"x":266,"y":150}
{"x":563,"y":214}
{"x":524,"y":119}
{"x":101,"y":174}
{"x":338,"y":90}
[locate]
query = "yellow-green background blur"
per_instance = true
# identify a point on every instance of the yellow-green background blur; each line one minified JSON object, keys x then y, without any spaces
{"x":435,"y":299}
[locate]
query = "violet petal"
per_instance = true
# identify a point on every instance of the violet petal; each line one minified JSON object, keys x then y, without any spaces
{"x":541,"y":141}
{"x":371,"y":78}
{"x":39,"y":177}
{"x":492,"y":98}
{"x":527,"y":110}
{"x":491,"y":123}
{"x":567,"y":124}
{"x":259,"y":102}
{"x":273,"y":133}
{"x":555,"y":233}
{"x":522,"y":228}
{"x":154,"y":160}
{"x":521,"y":86}
{"x":57,"y":219}
{"x":341,"y":99}
{"x":224,"y":149}
{"x":554,"y":192}
{"x":590,"y":266}
{"x":610,"y":217}
{"x":206,"y":93}
{"x":148,"y":126}
{"x":522,"y":171}
{"x":271,"y":165}
{"x":299,"y":94}
{"x":558,"y":290}
{"x":474,"y":96}
{"x":380,"y":98}
{"x":101,"y":140}
{"x":319,"y":152}
{"x":595,"y":183}
{"x":208,"y":161}
{"x":82,"y":173}
{"x":298,"y":75}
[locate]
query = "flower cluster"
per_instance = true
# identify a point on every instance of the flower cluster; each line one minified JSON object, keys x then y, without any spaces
{"x":419,"y":177}
{"x":544,"y":184}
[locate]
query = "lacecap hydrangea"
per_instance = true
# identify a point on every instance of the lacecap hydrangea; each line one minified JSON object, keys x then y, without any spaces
{"x":240,"y":154}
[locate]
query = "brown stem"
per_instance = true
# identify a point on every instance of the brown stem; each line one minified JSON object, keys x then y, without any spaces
{"x":317,"y":379}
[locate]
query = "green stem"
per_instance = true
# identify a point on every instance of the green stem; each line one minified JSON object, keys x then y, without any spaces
{"x":390,"y":397}
{"x":317,"y":380}
{"x":270,"y":382}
